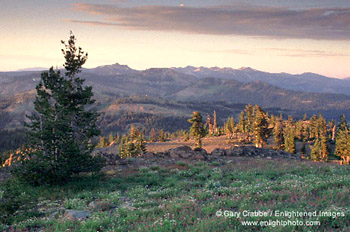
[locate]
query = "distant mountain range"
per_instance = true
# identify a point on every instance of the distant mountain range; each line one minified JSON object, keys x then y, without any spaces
{"x":305,"y":92}
{"x":306,"y":82}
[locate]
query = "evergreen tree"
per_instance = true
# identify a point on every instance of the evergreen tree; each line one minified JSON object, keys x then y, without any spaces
{"x":110,"y":138}
{"x":299,"y":130}
{"x":249,"y":118}
{"x":209,"y":125}
{"x":289,"y":136}
{"x":134,"y":132}
{"x":197,"y":129}
{"x":123,"y":151}
{"x":316,"y":151}
{"x":131,"y":148}
{"x":305,"y":117}
{"x":272,"y":121}
{"x":343,"y":124}
{"x":342,"y":144}
{"x":230,"y":127}
{"x":313,"y":127}
{"x":332,"y":128}
{"x":305,"y":131}
{"x":102,"y":142}
{"x":215,"y":125}
{"x":278,"y":134}
{"x":117,"y":138}
{"x":324,"y":148}
{"x":260,"y":127}
{"x":153,"y":135}
{"x":162,"y":135}
{"x":140,"y":145}
{"x":242,"y":123}
{"x":322,"y":125}
{"x":185,"y":137}
{"x":342,"y":141}
{"x":61,"y":128}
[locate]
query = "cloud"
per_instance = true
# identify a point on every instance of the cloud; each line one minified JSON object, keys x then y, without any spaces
{"x":233,"y":51}
{"x":303,"y":53}
{"x":315,"y":23}
{"x":283,"y":52}
{"x":93,"y":23}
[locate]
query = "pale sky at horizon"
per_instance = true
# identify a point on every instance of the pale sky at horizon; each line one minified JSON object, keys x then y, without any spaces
{"x":291,"y":36}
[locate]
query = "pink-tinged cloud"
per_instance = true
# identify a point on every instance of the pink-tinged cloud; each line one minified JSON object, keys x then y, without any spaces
{"x":93,"y":23}
{"x":306,"y":53}
{"x":320,"y":23}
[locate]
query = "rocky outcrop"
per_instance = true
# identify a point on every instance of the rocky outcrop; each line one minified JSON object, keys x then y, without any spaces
{"x":218,"y":152}
{"x":199,"y":153}
{"x":185,"y":152}
{"x":181,"y":152}
{"x":250,"y":151}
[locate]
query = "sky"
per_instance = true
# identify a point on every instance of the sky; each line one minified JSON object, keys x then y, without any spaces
{"x":293,"y":36}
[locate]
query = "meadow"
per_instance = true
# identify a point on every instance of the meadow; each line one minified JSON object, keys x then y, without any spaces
{"x":189,"y":196}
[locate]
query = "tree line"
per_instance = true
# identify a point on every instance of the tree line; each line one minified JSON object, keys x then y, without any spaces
{"x":256,"y":126}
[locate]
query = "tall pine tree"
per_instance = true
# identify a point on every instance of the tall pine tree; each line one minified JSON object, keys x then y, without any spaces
{"x":342,"y":141}
{"x":230,"y":127}
{"x":242,"y":123}
{"x":197,"y":129}
{"x":249,"y":118}
{"x":260,"y":127}
{"x":278,"y":134}
{"x":61,"y":128}
{"x":215,"y":125}
{"x":289,"y":136}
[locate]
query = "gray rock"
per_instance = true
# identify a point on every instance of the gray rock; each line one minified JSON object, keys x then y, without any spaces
{"x":200,"y":154}
{"x":181,"y":152}
{"x":126,"y":205}
{"x":162,"y":154}
{"x":76,"y":214}
{"x":148,"y":155}
{"x":61,"y":210}
{"x":231,"y":152}
{"x":54,"y":215}
{"x":92,"y":204}
{"x":218,"y":152}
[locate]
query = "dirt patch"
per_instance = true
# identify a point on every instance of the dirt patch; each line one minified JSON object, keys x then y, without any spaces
{"x":209,"y":144}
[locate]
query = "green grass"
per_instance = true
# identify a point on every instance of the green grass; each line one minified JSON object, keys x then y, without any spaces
{"x":161,"y":199}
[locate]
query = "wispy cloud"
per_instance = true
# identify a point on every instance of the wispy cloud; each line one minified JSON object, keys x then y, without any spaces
{"x":283,"y":52}
{"x":93,"y":23}
{"x":316,"y":23}
{"x":233,"y":51}
{"x":305,"y":53}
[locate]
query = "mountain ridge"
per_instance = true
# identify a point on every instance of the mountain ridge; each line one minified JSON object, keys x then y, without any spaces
{"x":305,"y":82}
{"x":17,"y":91}
{"x":171,"y":83}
